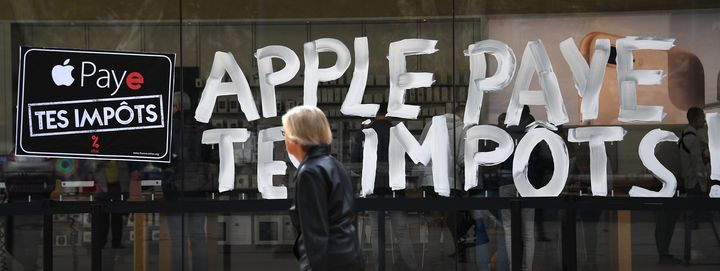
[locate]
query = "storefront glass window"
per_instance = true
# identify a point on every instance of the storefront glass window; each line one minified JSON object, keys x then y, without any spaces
{"x":450,"y":79}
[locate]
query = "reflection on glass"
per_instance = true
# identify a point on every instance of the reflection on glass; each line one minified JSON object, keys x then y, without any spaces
{"x":413,"y":240}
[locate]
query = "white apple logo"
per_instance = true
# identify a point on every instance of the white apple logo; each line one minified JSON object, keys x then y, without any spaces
{"x":62,"y":74}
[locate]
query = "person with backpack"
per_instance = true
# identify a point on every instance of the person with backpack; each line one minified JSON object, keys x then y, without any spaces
{"x":694,"y":154}
{"x":693,"y":157}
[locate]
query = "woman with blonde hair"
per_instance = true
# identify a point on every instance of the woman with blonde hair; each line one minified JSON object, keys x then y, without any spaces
{"x":322,"y":210}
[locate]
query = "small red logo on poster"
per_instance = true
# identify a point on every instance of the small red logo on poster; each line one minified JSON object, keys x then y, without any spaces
{"x":95,"y":144}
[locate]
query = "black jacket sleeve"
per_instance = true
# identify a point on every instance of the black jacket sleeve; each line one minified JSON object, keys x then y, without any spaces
{"x":313,"y":217}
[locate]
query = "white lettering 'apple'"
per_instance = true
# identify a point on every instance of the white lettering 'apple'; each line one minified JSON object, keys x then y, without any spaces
{"x":62,"y":74}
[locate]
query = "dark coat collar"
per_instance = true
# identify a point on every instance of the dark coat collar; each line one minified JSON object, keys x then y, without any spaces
{"x":316,"y":151}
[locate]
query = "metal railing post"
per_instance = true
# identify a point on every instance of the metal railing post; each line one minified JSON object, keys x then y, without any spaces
{"x":516,"y":243}
{"x":569,"y":233}
{"x":96,"y":213}
{"x":381,"y":240}
{"x":48,"y":242}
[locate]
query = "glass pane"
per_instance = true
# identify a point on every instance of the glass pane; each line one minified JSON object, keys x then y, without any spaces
{"x":597,"y":236}
{"x":71,"y":241}
{"x":674,"y":238}
{"x":210,"y":241}
{"x":24,"y":240}
{"x":412,"y":240}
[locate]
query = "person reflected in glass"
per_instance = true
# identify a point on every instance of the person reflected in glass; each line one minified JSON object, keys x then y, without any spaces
{"x":458,"y":222}
{"x":508,"y":189}
{"x":322,"y":210}
{"x":489,"y":220}
{"x":579,"y":183}
{"x":111,"y":177}
{"x":187,"y":178}
{"x":399,"y":219}
{"x":694,"y":156}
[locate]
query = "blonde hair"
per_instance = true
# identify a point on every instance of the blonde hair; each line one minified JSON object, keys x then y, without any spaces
{"x":307,"y":125}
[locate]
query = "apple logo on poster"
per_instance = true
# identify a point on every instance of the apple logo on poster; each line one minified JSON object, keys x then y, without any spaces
{"x":62,"y":74}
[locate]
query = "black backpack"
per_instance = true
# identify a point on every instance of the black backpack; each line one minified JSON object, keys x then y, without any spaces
{"x":682,"y":145}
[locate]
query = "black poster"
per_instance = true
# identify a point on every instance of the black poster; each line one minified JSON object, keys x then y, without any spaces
{"x":94,"y":104}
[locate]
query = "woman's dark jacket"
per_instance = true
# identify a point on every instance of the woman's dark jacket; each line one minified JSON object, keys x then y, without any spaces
{"x":322,"y":212}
